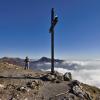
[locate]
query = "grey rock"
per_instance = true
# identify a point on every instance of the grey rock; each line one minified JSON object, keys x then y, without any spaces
{"x":55,"y":77}
{"x":76,"y":89}
{"x":48,"y":77}
{"x":59,"y":76}
{"x":67,"y":76}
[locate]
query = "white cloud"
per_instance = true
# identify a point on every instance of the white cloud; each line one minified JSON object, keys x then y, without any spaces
{"x":87,"y":71}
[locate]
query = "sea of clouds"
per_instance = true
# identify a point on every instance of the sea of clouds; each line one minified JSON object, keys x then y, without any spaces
{"x":87,"y":71}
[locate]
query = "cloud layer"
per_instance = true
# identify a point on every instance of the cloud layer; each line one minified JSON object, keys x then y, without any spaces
{"x":85,"y":71}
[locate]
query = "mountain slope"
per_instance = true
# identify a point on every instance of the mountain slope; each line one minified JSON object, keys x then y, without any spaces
{"x":19,"y":84}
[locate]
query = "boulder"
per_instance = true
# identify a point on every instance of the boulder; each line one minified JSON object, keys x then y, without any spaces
{"x":78,"y":92}
{"x":67,"y":76}
{"x":34,"y":84}
{"x":48,"y":77}
{"x":55,"y":77}
{"x":75,"y":88}
{"x":59,"y":76}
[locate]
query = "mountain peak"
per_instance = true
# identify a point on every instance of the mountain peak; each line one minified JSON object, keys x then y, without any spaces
{"x":44,"y":59}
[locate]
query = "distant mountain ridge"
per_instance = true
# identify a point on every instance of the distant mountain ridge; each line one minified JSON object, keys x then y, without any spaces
{"x":42,"y":59}
{"x":33,"y":64}
{"x":42,"y":63}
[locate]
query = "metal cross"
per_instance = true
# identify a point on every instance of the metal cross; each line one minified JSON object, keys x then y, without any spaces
{"x":54,"y":20}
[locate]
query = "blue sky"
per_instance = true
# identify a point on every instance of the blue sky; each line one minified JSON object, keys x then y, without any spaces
{"x":24,"y":26}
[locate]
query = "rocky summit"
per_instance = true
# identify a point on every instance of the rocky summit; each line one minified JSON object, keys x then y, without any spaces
{"x":19,"y":84}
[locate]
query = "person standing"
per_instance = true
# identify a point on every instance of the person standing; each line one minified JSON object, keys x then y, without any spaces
{"x":26,"y":63}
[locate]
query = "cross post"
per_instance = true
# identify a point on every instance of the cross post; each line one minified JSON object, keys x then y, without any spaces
{"x":54,"y":20}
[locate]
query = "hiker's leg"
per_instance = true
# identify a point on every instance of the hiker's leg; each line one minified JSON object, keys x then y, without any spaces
{"x":25,"y":66}
{"x":28,"y":65}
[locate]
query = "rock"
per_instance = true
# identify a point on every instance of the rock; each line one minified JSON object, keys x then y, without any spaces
{"x":14,"y":96}
{"x":31,"y":85}
{"x":2,"y":86}
{"x":71,"y":97}
{"x":10,"y":86}
{"x":13,"y":99}
{"x":26,"y":99}
{"x":56,"y":77}
{"x":48,"y":77}
{"x":67,"y":76}
{"x":51,"y":77}
{"x":76,"y":89}
{"x":74,"y":83}
{"x":17,"y":68}
{"x":27,"y":75}
{"x":23,"y":89}
{"x":59,"y":76}
{"x":34,"y":84}
{"x":88,"y":96}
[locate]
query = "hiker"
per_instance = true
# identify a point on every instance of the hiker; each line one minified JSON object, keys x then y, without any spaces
{"x":26,"y":63}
